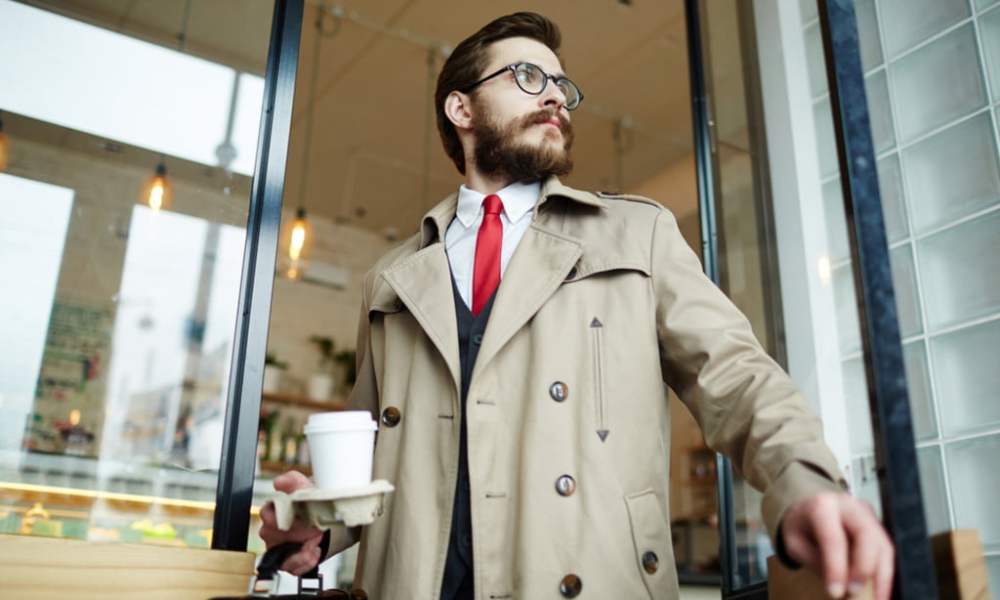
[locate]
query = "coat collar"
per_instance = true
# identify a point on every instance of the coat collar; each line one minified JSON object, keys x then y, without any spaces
{"x":543,"y":260}
{"x":437,"y":219}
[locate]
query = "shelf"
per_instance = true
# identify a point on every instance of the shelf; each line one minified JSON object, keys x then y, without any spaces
{"x":303,"y":401}
{"x":269,"y":467}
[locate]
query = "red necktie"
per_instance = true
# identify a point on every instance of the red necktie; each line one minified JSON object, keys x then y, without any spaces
{"x":486,"y":272}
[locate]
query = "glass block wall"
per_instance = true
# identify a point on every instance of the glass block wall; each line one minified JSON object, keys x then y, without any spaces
{"x":932,"y":70}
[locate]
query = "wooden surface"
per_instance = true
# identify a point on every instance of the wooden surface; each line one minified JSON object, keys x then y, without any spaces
{"x":276,"y":468}
{"x":801,"y":584}
{"x":304,"y":402}
{"x":958,"y":560}
{"x":37,"y":568}
{"x":961,"y":567}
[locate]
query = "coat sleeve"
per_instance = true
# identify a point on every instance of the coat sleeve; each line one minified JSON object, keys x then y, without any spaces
{"x":746,"y":405}
{"x":364,"y":396}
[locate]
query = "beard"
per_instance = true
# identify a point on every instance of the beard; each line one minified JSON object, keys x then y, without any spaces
{"x":497,"y":152}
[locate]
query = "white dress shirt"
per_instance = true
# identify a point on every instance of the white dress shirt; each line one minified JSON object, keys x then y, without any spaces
{"x":460,"y":240}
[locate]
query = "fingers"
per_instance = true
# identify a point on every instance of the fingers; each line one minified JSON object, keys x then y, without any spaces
{"x":832,"y":541}
{"x":883,"y":577}
{"x":290,"y":481}
{"x":272,"y":536}
{"x":868,"y":543}
{"x":800,"y":547}
{"x":305,"y":559}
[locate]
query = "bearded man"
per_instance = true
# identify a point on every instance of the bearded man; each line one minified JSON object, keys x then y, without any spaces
{"x":516,"y":352}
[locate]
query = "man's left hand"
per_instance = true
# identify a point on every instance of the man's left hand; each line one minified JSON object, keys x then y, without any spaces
{"x":840,"y":537}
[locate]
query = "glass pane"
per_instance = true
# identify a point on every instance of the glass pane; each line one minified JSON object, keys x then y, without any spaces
{"x":848,"y":327}
{"x":919,"y":386}
{"x":868,"y":34}
{"x":879,"y":111}
{"x":989,"y":32}
{"x":966,"y":374}
{"x":890,"y":187}
{"x":908,"y":22}
{"x":905,"y":283}
{"x":808,"y":9}
{"x":932,"y":485}
{"x":993,"y":566}
{"x":836,"y":222}
{"x":826,"y":143}
{"x":937,"y":84}
{"x":858,"y":413}
{"x":960,"y":272}
{"x":980,"y":5}
{"x":952,"y":174}
{"x":814,"y":50}
{"x":124,"y":208}
{"x":975,"y":486}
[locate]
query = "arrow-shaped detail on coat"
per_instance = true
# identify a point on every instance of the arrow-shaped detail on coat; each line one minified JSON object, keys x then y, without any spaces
{"x":597,"y":329}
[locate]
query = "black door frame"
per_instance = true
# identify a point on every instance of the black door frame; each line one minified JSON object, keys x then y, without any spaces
{"x":895,"y":449}
{"x":234,"y":494}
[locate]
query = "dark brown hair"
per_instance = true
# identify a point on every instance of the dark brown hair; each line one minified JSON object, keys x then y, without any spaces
{"x":470,"y":58}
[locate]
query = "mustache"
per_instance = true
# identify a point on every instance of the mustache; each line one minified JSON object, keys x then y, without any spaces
{"x":544,"y":115}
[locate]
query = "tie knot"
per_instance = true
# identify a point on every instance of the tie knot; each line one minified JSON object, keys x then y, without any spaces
{"x":492,"y":204}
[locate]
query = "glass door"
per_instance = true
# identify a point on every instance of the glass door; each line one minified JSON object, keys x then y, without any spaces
{"x":774,"y":164}
{"x":128,"y":157}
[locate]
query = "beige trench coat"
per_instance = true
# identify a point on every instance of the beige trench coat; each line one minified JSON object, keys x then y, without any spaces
{"x":604,"y":296}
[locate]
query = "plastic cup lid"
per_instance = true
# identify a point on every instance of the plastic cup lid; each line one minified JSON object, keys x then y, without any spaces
{"x":346,"y":420}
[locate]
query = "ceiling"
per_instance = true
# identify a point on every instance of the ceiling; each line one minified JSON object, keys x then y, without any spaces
{"x":374,"y":157}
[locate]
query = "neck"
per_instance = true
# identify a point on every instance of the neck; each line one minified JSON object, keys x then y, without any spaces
{"x":484,"y":184}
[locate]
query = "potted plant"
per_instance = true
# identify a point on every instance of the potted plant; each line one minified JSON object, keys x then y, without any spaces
{"x":273,"y":368}
{"x":321,"y":383}
{"x":347,"y":361}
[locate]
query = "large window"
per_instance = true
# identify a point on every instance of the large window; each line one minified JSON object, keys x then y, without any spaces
{"x":132,"y":131}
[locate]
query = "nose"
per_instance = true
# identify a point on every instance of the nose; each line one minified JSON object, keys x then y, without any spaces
{"x":552,"y":96}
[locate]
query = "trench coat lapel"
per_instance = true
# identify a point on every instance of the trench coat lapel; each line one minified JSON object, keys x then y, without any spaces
{"x":543,"y":259}
{"x":539,"y":265}
{"x":423,"y":283}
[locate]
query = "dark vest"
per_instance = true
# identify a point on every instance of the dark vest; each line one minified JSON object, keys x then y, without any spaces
{"x":457,"y":584}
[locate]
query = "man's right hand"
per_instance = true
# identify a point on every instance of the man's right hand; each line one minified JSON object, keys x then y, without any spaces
{"x":309,"y":536}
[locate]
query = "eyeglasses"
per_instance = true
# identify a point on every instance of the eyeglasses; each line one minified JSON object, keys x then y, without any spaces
{"x":532,"y":80}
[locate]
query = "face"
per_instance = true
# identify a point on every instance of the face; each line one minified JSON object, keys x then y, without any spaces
{"x":515,"y":134}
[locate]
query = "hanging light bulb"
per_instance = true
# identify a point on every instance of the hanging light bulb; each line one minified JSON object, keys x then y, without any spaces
{"x":4,"y":148}
{"x":298,"y":240}
{"x":158,"y":192}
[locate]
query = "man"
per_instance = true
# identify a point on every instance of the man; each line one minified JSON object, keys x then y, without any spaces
{"x":515,"y":351}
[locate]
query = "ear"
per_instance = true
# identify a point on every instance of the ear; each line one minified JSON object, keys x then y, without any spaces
{"x":458,"y":109}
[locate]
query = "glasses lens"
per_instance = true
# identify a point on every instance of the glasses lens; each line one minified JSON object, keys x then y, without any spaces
{"x":529,"y":78}
{"x":571,"y":92}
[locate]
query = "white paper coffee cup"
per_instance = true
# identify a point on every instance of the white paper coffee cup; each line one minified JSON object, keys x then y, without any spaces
{"x":341,"y":445}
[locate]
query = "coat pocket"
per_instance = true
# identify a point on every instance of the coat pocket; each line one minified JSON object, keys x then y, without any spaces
{"x":654,"y":554}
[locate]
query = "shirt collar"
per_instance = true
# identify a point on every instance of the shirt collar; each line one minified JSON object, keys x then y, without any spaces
{"x":518,"y":199}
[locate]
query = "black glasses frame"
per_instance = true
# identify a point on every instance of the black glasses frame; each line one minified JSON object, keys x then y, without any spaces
{"x":556,"y":79}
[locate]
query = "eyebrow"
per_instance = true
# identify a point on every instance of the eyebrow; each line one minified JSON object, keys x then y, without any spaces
{"x":559,"y":74}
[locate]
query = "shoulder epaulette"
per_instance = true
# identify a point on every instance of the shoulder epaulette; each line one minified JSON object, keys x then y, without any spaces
{"x":632,"y":197}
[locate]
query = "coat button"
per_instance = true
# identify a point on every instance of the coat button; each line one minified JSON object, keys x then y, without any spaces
{"x":650,"y":562}
{"x":559,"y":391}
{"x":477,"y":339}
{"x":390,"y":416}
{"x":565,"y":485}
{"x":570,"y":586}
